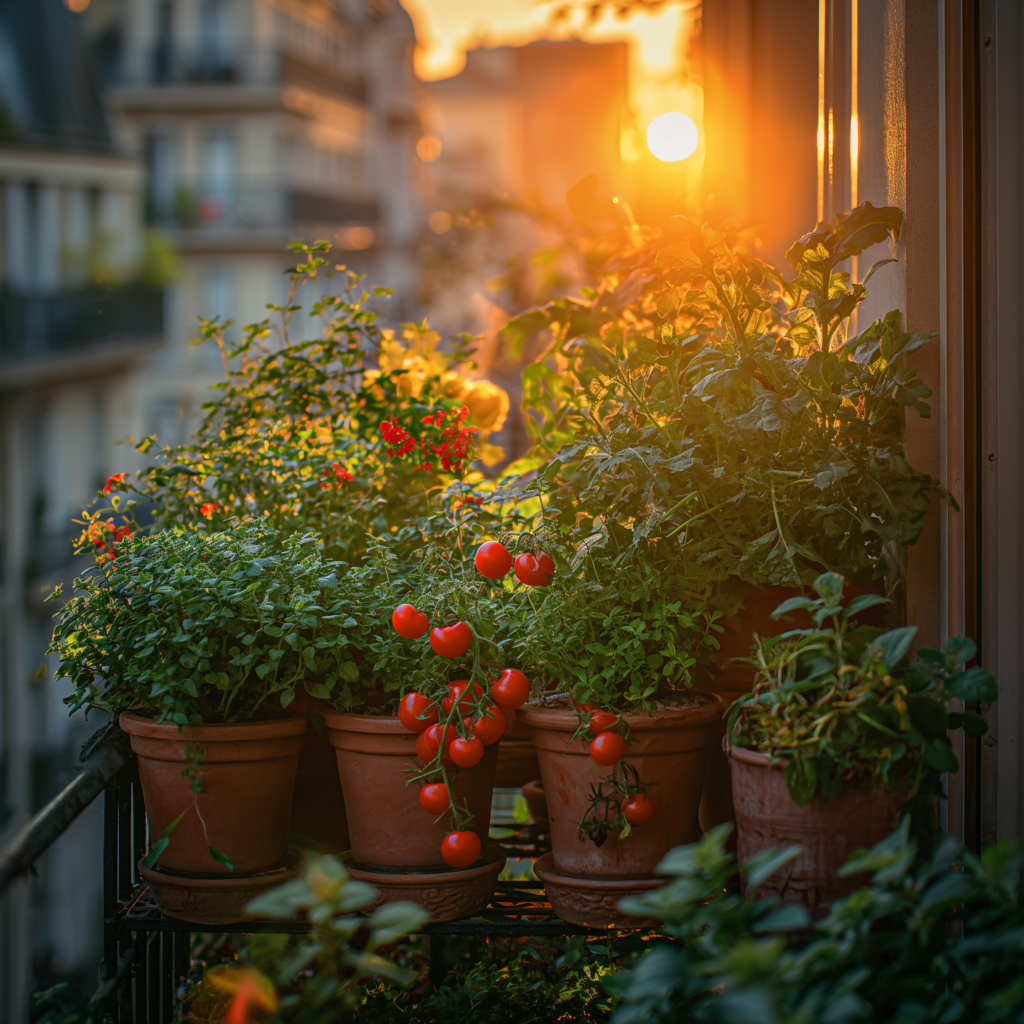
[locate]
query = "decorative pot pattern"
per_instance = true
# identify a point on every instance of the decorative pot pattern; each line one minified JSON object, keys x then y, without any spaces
{"x":667,"y":749}
{"x":390,"y":831}
{"x":213,"y":901}
{"x":828,"y":830}
{"x":592,"y":902}
{"x":448,"y":895}
{"x":250,"y":774}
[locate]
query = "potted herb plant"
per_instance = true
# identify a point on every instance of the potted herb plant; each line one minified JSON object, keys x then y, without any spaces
{"x":841,"y":733}
{"x":198,"y":642}
{"x":294,"y":434}
{"x":622,"y":745}
{"x":730,"y":421}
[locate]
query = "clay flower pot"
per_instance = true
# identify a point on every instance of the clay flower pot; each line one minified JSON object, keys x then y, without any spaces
{"x":667,"y":749}
{"x":250,"y":773}
{"x":390,"y":831}
{"x":733,"y":677}
{"x":828,"y":830}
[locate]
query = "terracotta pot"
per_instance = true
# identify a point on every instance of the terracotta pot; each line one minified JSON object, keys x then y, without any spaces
{"x":828,"y":830}
{"x":448,"y":895}
{"x":318,"y":804}
{"x":536,"y":801}
{"x":390,"y":831}
{"x":593,"y":902}
{"x":667,"y":749}
{"x":214,"y":901}
{"x":517,"y":759}
{"x":250,"y":774}
{"x":733,"y":677}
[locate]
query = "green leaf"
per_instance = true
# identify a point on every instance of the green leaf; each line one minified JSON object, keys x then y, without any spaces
{"x":221,"y":858}
{"x":895,"y":644}
{"x":975,"y":686}
{"x":801,"y":776}
{"x":939,"y":755}
{"x":972,"y":724}
{"x":151,"y":858}
{"x":762,"y":866}
{"x":928,"y":715}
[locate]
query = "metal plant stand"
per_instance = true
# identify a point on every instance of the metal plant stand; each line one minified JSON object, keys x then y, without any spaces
{"x":147,"y":956}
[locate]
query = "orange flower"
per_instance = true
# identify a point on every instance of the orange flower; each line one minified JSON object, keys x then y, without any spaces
{"x":112,"y":480}
{"x":207,"y":510}
{"x":254,"y":993}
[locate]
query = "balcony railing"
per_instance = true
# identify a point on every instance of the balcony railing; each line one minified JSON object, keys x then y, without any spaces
{"x":47,"y":324}
{"x":255,"y":206}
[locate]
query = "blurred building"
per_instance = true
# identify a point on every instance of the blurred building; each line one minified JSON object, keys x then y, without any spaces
{"x":77,"y":320}
{"x":258,"y":122}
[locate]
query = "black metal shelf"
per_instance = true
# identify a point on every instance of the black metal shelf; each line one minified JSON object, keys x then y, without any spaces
{"x":149,"y":954}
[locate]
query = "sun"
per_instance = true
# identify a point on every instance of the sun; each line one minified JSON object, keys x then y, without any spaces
{"x":672,"y":137}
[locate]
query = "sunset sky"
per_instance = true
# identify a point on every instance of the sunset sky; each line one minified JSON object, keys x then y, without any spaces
{"x":447,"y":28}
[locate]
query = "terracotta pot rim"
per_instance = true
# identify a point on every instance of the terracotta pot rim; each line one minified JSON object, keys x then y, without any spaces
{"x":762,"y":760}
{"x":563,"y":720}
{"x":492,"y":858}
{"x":139,"y":725}
{"x":195,"y":880}
{"x":545,"y":870}
{"x":389,"y":725}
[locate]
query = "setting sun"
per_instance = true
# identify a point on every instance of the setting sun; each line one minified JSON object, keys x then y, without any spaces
{"x":672,"y":137}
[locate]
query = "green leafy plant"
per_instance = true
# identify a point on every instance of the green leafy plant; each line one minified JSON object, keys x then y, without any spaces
{"x":889,"y":952}
{"x":194,"y":627}
{"x":297,"y":431}
{"x":724,"y":417}
{"x":843,"y":703}
{"x":317,"y":977}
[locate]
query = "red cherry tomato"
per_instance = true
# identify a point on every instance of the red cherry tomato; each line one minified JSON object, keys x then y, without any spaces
{"x":606,"y":748}
{"x":489,"y":727}
{"x":434,"y":798}
{"x":451,"y":641}
{"x":601,"y":720}
{"x":424,"y":751}
{"x":439,"y":736}
{"x":511,"y":689}
{"x":493,"y":560}
{"x":466,"y":753}
{"x":408,"y":622}
{"x":457,"y":692}
{"x":413,"y":713}
{"x":460,"y":849}
{"x":534,"y":569}
{"x":638,"y":809}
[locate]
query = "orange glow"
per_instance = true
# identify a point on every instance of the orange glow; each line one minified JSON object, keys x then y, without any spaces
{"x":821,"y":109}
{"x":428,"y":148}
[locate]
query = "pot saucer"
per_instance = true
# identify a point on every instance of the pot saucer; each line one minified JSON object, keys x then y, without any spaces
{"x":594,"y":902}
{"x":214,"y":899}
{"x":448,"y":895}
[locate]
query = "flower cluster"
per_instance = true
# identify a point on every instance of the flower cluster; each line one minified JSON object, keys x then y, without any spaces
{"x":206,"y":510}
{"x":102,"y":532}
{"x":451,"y":450}
{"x":337,"y":473}
{"x":467,"y":499}
{"x":117,"y":478}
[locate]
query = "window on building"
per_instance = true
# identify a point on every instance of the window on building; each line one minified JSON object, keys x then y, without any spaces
{"x":218,"y":200}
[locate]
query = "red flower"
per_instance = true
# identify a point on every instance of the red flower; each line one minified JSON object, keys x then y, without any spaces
{"x":339,"y":475}
{"x":207,"y":509}
{"x":115,"y":479}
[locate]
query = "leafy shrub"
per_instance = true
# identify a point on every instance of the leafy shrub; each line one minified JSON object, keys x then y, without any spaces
{"x":843,"y":704}
{"x":295,"y":433}
{"x":890,"y":952}
{"x":195,"y":627}
{"x":702,"y":402}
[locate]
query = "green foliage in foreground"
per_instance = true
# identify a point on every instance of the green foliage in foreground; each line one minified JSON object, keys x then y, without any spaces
{"x":845,"y":705}
{"x":888,"y":954}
